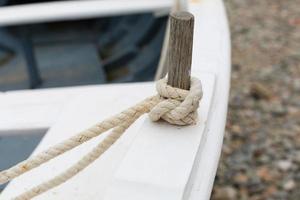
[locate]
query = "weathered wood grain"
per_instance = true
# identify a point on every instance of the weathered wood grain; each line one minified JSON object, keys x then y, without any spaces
{"x":179,"y":57}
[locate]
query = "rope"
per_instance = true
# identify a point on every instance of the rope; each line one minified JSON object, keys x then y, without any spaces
{"x":174,"y":105}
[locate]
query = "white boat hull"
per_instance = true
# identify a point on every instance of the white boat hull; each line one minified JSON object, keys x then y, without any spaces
{"x":147,"y":162}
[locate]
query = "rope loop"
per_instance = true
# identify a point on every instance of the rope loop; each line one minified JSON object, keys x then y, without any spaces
{"x":173,"y":105}
{"x":178,"y":106}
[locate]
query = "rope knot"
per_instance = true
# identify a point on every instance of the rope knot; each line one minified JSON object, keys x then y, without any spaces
{"x":177,"y":106}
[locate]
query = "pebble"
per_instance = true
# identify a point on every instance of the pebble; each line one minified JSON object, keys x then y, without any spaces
{"x":284,"y":165}
{"x":278,"y":109}
{"x":296,"y":84}
{"x":225,"y":193}
{"x":289,"y":185}
{"x":270,"y":191}
{"x":260,"y":91}
{"x":241,"y":178}
{"x":264,"y":173}
{"x":236,"y":129}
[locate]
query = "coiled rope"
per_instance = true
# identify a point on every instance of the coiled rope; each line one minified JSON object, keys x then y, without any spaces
{"x":174,"y":105}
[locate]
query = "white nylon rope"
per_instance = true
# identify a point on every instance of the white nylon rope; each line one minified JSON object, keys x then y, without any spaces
{"x":174,"y":105}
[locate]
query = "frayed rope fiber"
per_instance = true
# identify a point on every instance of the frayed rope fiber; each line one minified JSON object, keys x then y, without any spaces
{"x":174,"y":105}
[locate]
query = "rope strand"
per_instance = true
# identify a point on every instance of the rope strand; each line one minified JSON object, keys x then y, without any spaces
{"x":73,"y":142}
{"x":173,"y":105}
{"x":80,"y":165}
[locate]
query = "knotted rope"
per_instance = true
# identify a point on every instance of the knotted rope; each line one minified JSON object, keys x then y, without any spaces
{"x":173,"y":105}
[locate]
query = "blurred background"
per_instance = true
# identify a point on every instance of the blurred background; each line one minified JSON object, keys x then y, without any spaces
{"x":67,"y":53}
{"x":261,"y":152}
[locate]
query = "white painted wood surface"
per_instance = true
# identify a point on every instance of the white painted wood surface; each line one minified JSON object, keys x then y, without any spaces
{"x":119,"y":171}
{"x":78,"y":116}
{"x":95,"y":181}
{"x":160,"y":160}
{"x":75,"y":9}
{"x":211,"y":53}
{"x":34,"y":109}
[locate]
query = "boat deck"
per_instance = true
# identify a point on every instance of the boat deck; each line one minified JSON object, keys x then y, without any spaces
{"x":118,"y":169}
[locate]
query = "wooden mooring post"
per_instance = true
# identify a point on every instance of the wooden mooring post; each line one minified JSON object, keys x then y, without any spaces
{"x":179,"y":57}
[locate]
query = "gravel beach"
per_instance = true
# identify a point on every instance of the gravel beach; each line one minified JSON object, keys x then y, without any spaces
{"x":261,"y":152}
